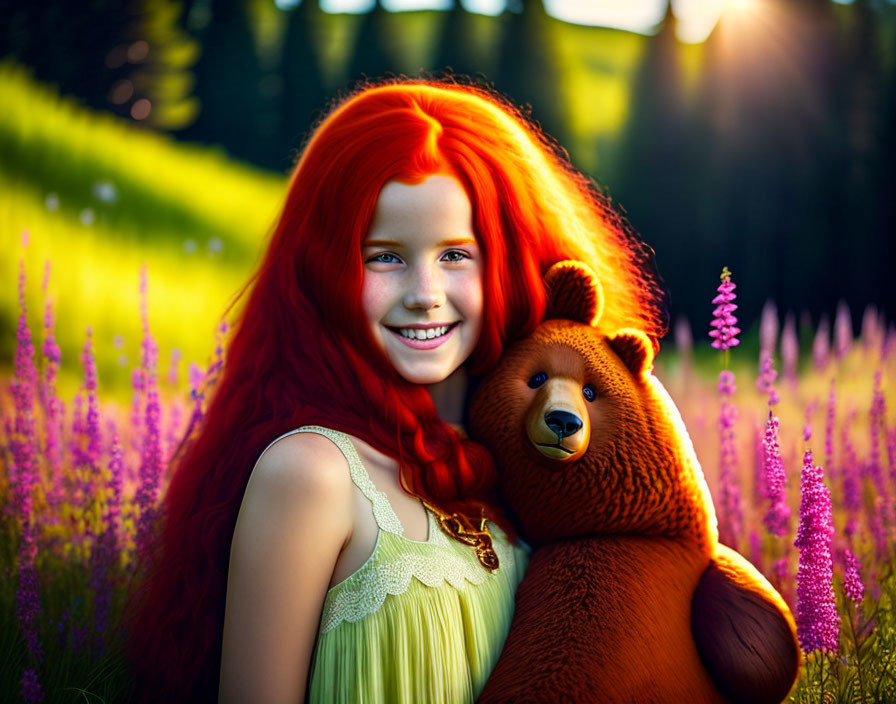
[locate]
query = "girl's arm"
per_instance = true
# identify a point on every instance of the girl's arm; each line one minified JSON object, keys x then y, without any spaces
{"x":294,"y":520}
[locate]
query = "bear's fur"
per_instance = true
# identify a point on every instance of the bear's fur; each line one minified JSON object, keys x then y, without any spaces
{"x":628,"y":597}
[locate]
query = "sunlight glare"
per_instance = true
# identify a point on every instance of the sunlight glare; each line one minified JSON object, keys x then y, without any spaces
{"x":695,"y":19}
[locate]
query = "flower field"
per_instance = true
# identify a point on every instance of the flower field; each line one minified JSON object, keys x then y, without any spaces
{"x":801,"y":465}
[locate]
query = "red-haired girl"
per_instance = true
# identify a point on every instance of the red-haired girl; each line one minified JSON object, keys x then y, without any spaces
{"x":325,"y":534}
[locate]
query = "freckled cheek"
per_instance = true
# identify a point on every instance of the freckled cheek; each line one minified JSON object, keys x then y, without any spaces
{"x":375,"y":299}
{"x":470,"y":301}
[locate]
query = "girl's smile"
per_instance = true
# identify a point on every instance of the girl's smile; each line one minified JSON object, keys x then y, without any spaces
{"x":422,"y":291}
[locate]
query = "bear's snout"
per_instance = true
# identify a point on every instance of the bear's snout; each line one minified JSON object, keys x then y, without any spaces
{"x":563,"y":423}
{"x":557,"y":423}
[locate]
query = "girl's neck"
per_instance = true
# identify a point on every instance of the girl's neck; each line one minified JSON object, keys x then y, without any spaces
{"x":448,"y":396}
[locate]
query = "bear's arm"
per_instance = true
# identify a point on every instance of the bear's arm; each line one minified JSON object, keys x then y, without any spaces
{"x":744,"y":631}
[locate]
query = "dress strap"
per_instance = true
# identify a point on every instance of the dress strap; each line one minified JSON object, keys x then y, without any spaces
{"x":383,"y":513}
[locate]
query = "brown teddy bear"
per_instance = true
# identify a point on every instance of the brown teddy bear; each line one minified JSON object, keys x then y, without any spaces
{"x":628,"y":597}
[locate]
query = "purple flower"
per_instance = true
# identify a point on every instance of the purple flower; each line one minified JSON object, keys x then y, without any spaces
{"x":807,"y":427}
{"x":172,"y":369}
{"x":768,"y":330}
{"x":151,"y":456}
{"x":816,"y":616}
{"x":777,"y":515}
{"x":54,"y":409}
{"x":731,"y":513}
{"x":106,"y":548}
{"x":765,"y":382}
{"x":872,"y":329}
{"x":31,"y":690}
{"x":92,"y":421}
{"x":724,"y":331}
{"x":829,"y":427}
{"x":790,"y":349}
{"x":852,"y":579}
{"x":842,"y":330}
{"x":24,"y":477}
{"x":821,"y":345}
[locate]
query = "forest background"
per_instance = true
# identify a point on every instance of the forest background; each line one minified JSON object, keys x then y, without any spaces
{"x":767,"y":147}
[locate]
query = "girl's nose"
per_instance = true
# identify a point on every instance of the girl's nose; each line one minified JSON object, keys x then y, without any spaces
{"x":425,"y":289}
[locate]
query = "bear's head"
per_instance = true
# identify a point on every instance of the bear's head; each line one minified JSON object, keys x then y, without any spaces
{"x":585,"y":438}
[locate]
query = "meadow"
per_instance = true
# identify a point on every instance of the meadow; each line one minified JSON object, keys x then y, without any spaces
{"x":99,"y":389}
{"x":84,"y":475}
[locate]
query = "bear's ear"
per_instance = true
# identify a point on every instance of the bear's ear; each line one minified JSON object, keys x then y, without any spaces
{"x":634,"y":349}
{"x":574,"y":292}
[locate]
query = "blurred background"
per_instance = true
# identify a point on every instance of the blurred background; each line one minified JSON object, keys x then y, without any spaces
{"x":753,"y":134}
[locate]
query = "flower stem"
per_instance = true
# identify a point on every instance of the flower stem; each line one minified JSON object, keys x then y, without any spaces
{"x":855,"y":642}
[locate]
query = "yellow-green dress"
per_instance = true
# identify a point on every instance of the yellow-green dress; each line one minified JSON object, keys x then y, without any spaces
{"x":418,"y":621}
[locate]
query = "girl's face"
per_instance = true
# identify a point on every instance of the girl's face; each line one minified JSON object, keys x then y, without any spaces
{"x":422,"y":289}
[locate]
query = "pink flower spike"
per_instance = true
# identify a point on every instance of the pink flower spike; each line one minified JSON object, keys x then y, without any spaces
{"x":724,"y":331}
{"x":852,"y":578}
{"x":818,"y":622}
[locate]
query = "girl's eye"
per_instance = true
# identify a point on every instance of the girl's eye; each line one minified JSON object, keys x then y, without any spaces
{"x":588,"y":392}
{"x":455,"y":255}
{"x":377,"y":258}
{"x":537,"y":380}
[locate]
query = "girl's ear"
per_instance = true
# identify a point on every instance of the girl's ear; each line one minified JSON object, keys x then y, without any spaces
{"x":574,"y":292}
{"x":634,"y":349}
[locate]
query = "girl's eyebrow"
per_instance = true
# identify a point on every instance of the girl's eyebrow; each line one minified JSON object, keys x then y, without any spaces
{"x":444,"y":243}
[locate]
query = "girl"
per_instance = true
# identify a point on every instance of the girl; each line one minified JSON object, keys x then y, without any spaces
{"x":418,"y":209}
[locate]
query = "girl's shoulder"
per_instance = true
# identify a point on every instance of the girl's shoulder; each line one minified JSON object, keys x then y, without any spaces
{"x":302,"y":465}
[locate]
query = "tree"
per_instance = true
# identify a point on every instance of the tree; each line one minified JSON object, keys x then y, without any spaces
{"x":303,"y":88}
{"x":527,"y":68}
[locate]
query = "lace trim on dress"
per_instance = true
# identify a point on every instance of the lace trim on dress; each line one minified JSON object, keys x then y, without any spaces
{"x":365,"y":591}
{"x":383,"y":513}
{"x":444,"y":560}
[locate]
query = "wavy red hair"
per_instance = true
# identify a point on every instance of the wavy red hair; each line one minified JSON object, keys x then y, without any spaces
{"x":299,"y":337}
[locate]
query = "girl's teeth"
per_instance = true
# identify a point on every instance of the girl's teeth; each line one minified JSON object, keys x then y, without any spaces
{"x":415,"y":334}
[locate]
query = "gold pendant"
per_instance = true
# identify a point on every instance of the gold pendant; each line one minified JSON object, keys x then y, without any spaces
{"x":463,"y":530}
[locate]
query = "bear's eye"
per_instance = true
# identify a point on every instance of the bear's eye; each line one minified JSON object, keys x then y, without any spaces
{"x":537,"y":380}
{"x":588,"y":392}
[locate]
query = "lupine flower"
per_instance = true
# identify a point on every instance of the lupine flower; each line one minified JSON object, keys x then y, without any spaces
{"x":829,"y":427}
{"x":821,"y":344}
{"x":31,"y":690}
{"x":724,"y":323}
{"x":23,"y":446}
{"x":53,"y":407}
{"x":889,"y":343}
{"x":106,"y":550}
{"x":766,"y":381}
{"x":852,"y":488}
{"x":93,"y":449}
{"x":872,"y":333}
{"x":807,"y":426}
{"x":777,"y":515}
{"x":731,"y":518}
{"x":138,"y":385}
{"x":852,"y":579}
{"x":817,"y":620}
{"x":768,"y":330}
{"x":790,"y":349}
{"x":842,"y":330}
{"x":172,"y":369}
{"x":151,"y":456}
{"x":724,"y":333}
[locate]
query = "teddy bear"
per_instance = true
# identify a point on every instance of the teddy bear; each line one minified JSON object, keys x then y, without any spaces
{"x":629,"y":596}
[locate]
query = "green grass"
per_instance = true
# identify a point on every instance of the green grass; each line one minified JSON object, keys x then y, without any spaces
{"x":168,"y":195}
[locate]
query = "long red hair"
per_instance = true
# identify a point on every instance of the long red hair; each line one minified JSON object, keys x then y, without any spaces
{"x":300,"y":353}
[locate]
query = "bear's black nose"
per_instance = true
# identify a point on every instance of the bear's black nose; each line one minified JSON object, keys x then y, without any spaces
{"x":563,"y":423}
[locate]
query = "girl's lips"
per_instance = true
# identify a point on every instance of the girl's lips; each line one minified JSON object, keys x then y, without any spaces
{"x":425,"y":344}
